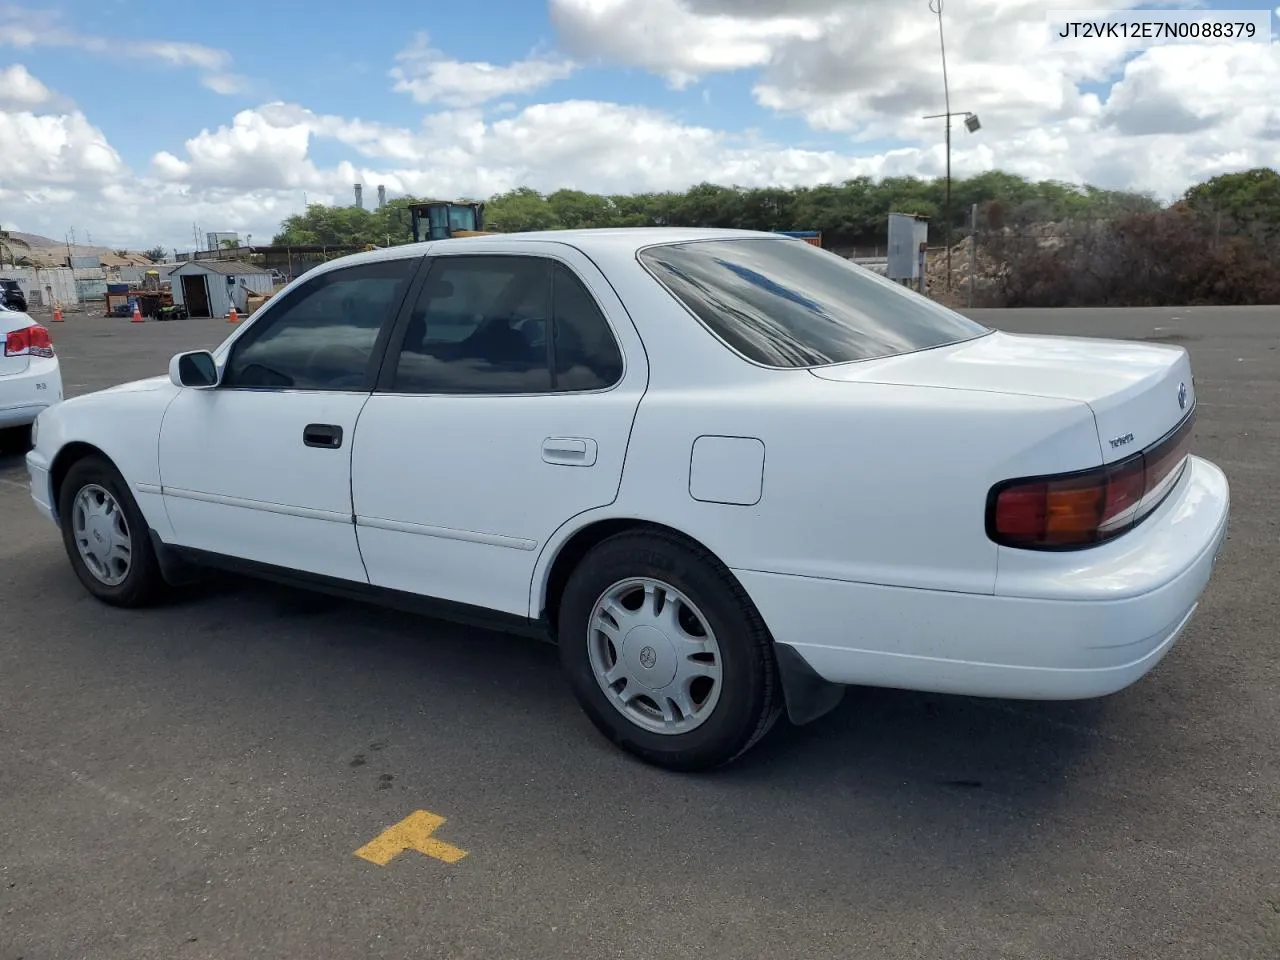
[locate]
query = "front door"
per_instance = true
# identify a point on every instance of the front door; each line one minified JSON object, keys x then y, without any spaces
{"x":504,"y":410}
{"x":259,"y":467}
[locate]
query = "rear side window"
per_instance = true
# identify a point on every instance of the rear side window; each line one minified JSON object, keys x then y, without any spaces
{"x":784,"y":303}
{"x":481,"y":326}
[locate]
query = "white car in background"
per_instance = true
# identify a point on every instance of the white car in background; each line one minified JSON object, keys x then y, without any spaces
{"x":30,"y":376}
{"x":728,"y":472}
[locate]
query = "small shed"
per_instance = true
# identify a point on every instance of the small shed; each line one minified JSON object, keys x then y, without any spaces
{"x":207,"y":288}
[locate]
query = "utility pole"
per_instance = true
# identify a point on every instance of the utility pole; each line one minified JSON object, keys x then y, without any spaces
{"x":972,"y":125}
{"x":936,"y":7}
{"x":970,"y":121}
{"x":973,"y":250}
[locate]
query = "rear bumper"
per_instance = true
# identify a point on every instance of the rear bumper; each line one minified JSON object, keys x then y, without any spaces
{"x":20,"y":415}
{"x":1105,"y":619}
{"x":24,"y":395}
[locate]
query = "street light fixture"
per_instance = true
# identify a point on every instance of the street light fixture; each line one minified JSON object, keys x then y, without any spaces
{"x":972,"y":125}
{"x":970,"y":121}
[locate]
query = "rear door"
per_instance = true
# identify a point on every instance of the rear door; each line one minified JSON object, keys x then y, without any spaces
{"x":259,"y":467}
{"x":503,"y":410}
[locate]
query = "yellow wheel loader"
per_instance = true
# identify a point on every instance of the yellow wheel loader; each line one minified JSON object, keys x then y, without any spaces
{"x":441,"y":219}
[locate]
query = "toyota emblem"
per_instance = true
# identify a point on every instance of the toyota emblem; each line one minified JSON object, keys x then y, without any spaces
{"x":1182,"y":396}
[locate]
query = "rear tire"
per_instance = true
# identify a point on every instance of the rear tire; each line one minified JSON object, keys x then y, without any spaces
{"x":666,"y":653}
{"x":106,"y":536}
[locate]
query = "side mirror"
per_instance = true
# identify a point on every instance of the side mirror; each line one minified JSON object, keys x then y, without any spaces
{"x":194,"y":369}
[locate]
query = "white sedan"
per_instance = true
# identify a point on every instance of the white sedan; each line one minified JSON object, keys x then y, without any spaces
{"x":30,"y":376}
{"x":728,"y":472}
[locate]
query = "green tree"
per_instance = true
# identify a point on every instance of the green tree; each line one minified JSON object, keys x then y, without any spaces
{"x":323,"y":225}
{"x":573,"y":209}
{"x":1252,"y":194}
{"x":851,"y":213}
{"x":1240,"y":204}
{"x":519,"y":210}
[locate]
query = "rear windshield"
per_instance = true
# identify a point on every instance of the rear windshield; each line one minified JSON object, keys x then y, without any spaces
{"x":786,"y":303}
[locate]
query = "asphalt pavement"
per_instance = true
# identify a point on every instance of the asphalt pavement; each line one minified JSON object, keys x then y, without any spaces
{"x":216,"y":778}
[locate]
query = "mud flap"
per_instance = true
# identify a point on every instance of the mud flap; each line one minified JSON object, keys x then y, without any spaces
{"x":176,"y":569}
{"x":808,"y":696}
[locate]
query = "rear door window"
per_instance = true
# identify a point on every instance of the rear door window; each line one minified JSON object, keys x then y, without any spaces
{"x":786,"y":303}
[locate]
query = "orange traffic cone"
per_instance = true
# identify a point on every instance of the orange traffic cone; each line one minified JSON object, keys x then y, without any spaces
{"x":137,"y":314}
{"x":232,"y":317}
{"x":57,"y":314}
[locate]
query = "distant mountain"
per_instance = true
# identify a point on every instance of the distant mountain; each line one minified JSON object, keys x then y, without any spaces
{"x":35,"y":240}
{"x":44,"y":252}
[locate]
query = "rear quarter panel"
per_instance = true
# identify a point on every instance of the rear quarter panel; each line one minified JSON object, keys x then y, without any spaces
{"x":874,"y":484}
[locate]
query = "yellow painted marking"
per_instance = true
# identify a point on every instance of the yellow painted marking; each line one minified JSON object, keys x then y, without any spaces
{"x":411,"y":833}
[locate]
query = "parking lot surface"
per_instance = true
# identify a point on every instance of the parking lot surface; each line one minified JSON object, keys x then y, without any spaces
{"x":214,"y":778}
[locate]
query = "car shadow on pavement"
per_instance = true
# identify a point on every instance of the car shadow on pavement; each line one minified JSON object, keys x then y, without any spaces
{"x":14,"y":444}
{"x":1010,"y":754}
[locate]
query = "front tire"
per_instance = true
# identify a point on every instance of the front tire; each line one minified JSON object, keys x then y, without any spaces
{"x":106,"y":537}
{"x":666,"y":653}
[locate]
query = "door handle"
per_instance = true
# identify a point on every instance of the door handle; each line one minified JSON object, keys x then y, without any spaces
{"x":327,"y":435}
{"x":569,"y":451}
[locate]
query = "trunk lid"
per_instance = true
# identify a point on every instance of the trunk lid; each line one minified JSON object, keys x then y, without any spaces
{"x":10,"y":321}
{"x":1138,"y":392}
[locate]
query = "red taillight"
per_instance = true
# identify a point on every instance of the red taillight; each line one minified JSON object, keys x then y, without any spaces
{"x":32,"y":341}
{"x":1093,"y":506}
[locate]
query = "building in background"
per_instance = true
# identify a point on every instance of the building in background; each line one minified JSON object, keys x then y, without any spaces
{"x":208,"y":288}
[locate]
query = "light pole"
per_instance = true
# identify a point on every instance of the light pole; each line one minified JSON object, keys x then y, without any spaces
{"x":972,"y":125}
{"x":970,"y":121}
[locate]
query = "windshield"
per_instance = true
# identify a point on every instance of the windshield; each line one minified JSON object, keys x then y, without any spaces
{"x":786,"y":303}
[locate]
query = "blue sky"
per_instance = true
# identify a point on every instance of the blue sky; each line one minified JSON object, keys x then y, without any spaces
{"x":229,"y":112}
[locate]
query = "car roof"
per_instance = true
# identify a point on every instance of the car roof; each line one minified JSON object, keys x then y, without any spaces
{"x":625,"y":240}
{"x":612,"y":242}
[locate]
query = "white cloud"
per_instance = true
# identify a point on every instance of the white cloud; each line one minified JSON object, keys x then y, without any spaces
{"x":587,"y":144}
{"x":665,"y":36}
{"x":870,"y":67}
{"x":43,"y":150}
{"x":226,"y":84}
{"x":871,"y":71}
{"x":18,"y":88}
{"x":257,"y":151}
{"x":24,"y":28}
{"x":431,"y":77}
